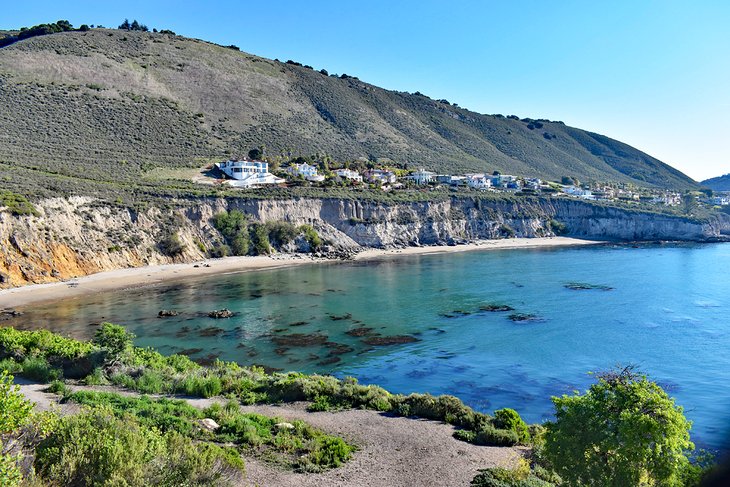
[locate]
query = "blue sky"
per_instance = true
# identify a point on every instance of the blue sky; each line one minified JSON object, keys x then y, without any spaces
{"x":651,"y":73}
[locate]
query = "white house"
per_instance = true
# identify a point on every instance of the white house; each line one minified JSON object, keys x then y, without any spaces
{"x":305,"y":170}
{"x":478,"y":181}
{"x":248,"y":173}
{"x":380,"y":176}
{"x":349,"y":174}
{"x":721,"y":200}
{"x":579,"y":193}
{"x":533,"y":183}
{"x":421,"y":176}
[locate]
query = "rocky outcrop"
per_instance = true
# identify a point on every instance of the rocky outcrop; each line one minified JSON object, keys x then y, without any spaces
{"x":78,"y":236}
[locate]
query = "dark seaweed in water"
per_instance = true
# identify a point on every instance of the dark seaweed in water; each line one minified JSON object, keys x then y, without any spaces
{"x":210,"y":332}
{"x":457,"y":313}
{"x":281,"y":350}
{"x":182,"y":332}
{"x":360,"y":331}
{"x":329,"y":360}
{"x":346,"y":316}
{"x":582,"y":286}
{"x":300,"y":340}
{"x":190,"y":351}
{"x":338,"y":348}
{"x":522,"y":317}
{"x":299,"y":323}
{"x":495,"y":307}
{"x":389,"y":340}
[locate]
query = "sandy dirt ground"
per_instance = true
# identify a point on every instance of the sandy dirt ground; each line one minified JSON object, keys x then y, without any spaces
{"x":392,"y":451}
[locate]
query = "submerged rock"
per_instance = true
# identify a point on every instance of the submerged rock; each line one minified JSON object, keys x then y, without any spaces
{"x":346,"y":316}
{"x":221,"y":313}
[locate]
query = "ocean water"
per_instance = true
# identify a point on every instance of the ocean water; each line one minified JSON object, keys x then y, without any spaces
{"x":667,"y":311}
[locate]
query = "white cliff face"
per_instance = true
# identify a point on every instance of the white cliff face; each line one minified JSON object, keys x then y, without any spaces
{"x":78,"y":236}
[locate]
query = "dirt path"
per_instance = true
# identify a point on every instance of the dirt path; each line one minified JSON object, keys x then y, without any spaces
{"x":392,"y":451}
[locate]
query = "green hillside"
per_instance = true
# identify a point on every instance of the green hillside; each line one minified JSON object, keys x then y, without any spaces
{"x":720,"y":183}
{"x":110,"y":107}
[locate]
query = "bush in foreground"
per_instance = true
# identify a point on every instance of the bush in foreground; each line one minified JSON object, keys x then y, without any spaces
{"x":625,"y":430}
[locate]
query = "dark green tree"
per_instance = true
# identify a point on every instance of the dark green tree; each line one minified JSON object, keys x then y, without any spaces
{"x":625,"y":430}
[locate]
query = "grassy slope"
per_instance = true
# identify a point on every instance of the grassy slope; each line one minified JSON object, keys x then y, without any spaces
{"x":720,"y":183}
{"x":109,"y":105}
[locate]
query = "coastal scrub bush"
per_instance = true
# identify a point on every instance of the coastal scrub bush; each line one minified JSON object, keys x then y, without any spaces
{"x":625,"y":430}
{"x":16,"y":204}
{"x":38,"y":368}
{"x":15,"y":409}
{"x":171,"y":245}
{"x":114,"y":339}
{"x":311,"y":236}
{"x":558,"y":228}
{"x":18,"y":344}
{"x":491,"y":436}
{"x":281,"y":233}
{"x":509,"y":419}
{"x":260,"y":239}
{"x":233,"y":226}
{"x":96,"y":448}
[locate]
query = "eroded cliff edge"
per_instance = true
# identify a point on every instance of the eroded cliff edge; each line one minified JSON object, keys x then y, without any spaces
{"x":78,"y":236}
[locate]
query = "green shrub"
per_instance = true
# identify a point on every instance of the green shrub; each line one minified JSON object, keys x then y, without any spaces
{"x":491,"y":436}
{"x":311,"y":236}
{"x":171,"y":245}
{"x":38,"y":368}
{"x":465,"y":435}
{"x":152,"y":382}
{"x":14,"y":407}
{"x":96,"y":448}
{"x":260,"y":239}
{"x":16,"y":204}
{"x":114,"y":339}
{"x":558,"y":228}
{"x":509,"y":419}
{"x":281,"y":233}
{"x":44,"y":343}
{"x":233,"y":226}
{"x":200,"y":386}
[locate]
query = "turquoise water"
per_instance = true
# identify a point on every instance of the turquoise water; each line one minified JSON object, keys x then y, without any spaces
{"x":667,"y":312}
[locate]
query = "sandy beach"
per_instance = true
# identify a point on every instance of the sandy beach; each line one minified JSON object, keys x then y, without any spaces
{"x":150,"y":275}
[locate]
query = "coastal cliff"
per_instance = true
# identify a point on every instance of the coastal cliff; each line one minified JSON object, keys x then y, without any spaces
{"x":79,"y":236}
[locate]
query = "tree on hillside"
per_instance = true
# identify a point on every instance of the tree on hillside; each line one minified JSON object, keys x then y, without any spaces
{"x":625,"y":430}
{"x":125,"y":25}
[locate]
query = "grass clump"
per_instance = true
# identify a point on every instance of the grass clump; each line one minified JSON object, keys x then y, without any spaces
{"x":16,"y":204}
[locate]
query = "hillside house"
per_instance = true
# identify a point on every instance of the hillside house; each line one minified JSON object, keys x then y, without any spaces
{"x":421,"y":176}
{"x":245,"y":174}
{"x":379,"y":176}
{"x":306,"y":171}
{"x":349,"y":174}
{"x":478,"y":181}
{"x":505,"y":181}
{"x":450,"y":180}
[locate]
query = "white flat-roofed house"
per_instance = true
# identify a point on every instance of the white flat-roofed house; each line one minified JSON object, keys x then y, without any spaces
{"x":421,"y":176}
{"x":579,"y":192}
{"x":380,"y":176}
{"x":478,"y":181}
{"x":349,"y":174}
{"x":248,"y":173}
{"x":306,"y":171}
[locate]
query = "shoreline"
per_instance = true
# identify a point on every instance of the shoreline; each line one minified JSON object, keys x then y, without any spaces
{"x":137,"y":277}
